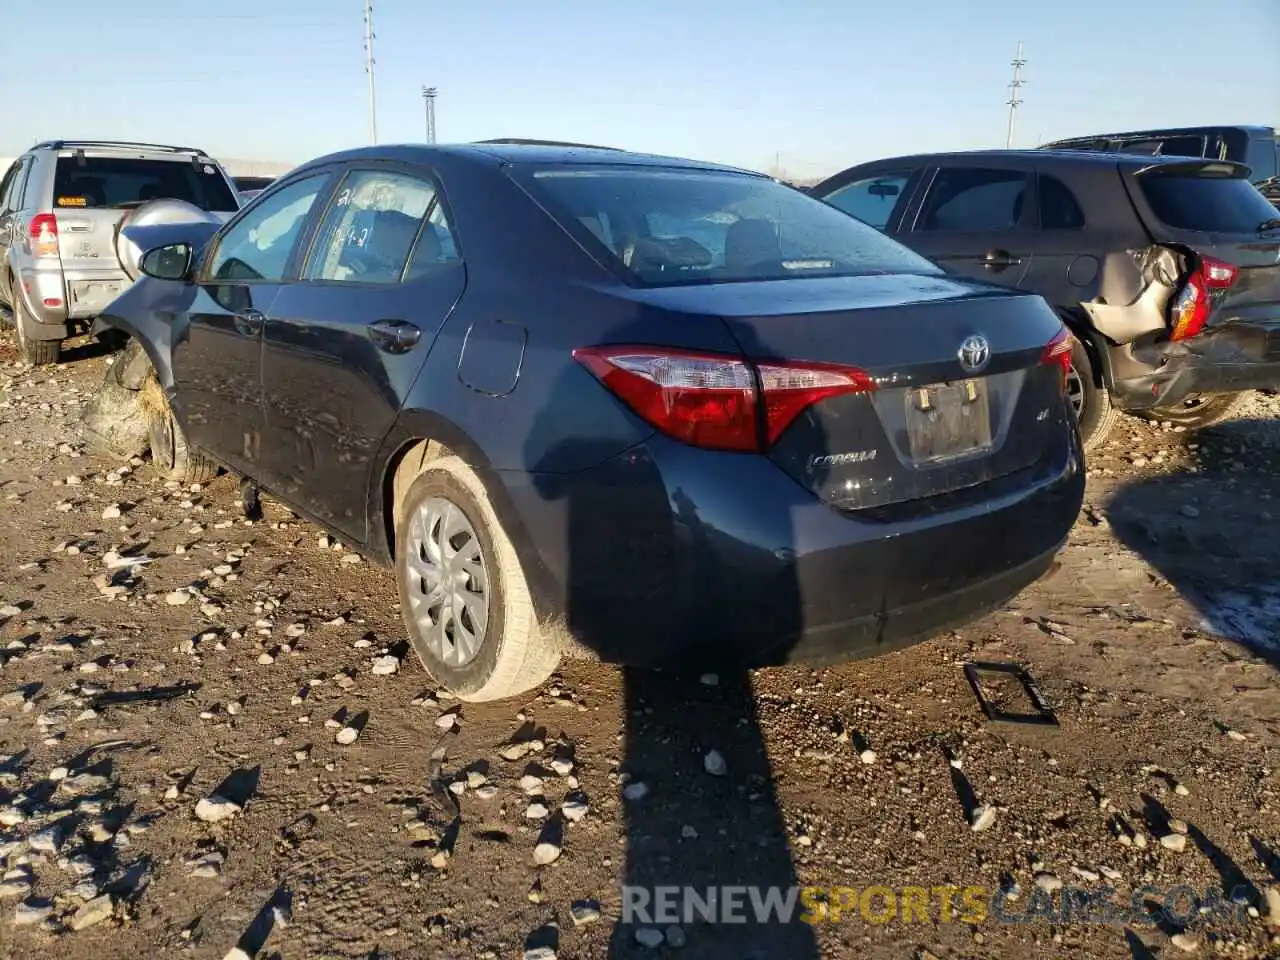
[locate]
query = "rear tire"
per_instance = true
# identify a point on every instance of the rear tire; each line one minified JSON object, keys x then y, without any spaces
{"x":1198,"y":412}
{"x":510,"y":654}
{"x":1090,"y":400}
{"x":169,"y":450}
{"x":38,"y":353}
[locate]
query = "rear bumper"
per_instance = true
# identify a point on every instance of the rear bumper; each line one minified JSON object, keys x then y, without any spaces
{"x":1241,"y":355}
{"x":672,"y":555}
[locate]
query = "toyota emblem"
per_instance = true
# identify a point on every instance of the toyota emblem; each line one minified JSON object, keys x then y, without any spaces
{"x":975,"y":353}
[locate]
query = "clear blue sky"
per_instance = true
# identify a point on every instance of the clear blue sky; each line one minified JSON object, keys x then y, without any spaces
{"x":822,"y":83}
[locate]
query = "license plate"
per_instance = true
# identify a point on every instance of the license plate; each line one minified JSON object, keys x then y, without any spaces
{"x":946,"y":421}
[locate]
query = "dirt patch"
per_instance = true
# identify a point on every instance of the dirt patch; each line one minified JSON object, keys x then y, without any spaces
{"x":212,"y":734}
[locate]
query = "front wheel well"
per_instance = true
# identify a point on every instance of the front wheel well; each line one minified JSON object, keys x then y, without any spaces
{"x":404,"y":467}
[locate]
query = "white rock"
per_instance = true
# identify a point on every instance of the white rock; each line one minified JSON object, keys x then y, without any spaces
{"x":574,"y":810}
{"x":1177,"y":842}
{"x":385,"y":666}
{"x":17,"y":886}
{"x":530,"y":783}
{"x":983,"y":817}
{"x":48,"y":840}
{"x":111,"y":513}
{"x":539,"y":953}
{"x":714,"y":764}
{"x":347,"y":736}
{"x":95,"y":911}
{"x":536,"y":811}
{"x":867,"y":756}
{"x":1273,"y":906}
{"x":215,"y":808}
{"x":1048,"y":882}
{"x":649,"y":937}
{"x":447,"y":721}
{"x":1185,"y":942}
{"x":30,"y":913}
{"x":9,"y":611}
{"x":546,"y":853}
{"x":177,"y":598}
{"x":562,"y":767}
{"x":486,"y":792}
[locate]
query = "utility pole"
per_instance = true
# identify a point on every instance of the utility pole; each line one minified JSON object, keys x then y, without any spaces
{"x":368,"y":68}
{"x":429,"y":100}
{"x":1014,"y":86}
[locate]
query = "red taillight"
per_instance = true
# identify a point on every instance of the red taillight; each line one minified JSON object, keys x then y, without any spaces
{"x":1057,"y":353}
{"x":715,"y":401}
{"x":1190,"y":311}
{"x":43,"y":230}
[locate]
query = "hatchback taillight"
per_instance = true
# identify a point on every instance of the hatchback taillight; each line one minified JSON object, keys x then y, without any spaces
{"x":1190,"y":310}
{"x":43,"y":231}
{"x":717,"y":401}
{"x":1057,"y":353}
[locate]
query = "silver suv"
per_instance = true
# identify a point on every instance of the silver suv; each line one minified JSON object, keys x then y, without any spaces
{"x":61,"y":206}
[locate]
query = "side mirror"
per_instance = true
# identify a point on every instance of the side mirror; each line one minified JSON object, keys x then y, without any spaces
{"x":170,"y":262}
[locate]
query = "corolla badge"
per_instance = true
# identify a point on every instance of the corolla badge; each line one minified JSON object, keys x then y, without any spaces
{"x":974,"y":353}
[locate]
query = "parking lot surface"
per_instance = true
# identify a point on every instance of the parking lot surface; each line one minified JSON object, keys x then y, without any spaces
{"x":159,"y":650}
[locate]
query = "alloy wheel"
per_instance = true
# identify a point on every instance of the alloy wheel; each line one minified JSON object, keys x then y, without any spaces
{"x":447,"y":580}
{"x":1075,"y":392}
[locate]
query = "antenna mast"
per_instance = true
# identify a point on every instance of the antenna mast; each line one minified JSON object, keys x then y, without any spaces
{"x":429,"y":99}
{"x":1014,"y":86}
{"x":368,"y":68}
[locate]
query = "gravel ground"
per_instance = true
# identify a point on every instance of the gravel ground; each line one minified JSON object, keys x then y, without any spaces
{"x":213,"y":737}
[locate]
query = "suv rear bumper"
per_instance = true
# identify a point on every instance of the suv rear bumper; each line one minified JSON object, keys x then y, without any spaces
{"x":1241,"y":355}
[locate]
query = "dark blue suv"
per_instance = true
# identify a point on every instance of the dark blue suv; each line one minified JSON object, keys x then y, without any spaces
{"x":586,"y":401}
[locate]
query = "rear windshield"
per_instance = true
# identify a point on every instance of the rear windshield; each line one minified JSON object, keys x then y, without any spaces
{"x":1208,"y":204}
{"x":128,"y":181}
{"x":660,"y":226}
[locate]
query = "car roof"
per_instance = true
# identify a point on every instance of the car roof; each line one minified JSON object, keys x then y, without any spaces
{"x":1172,"y":132}
{"x":531,"y":152}
{"x":1039,"y":157}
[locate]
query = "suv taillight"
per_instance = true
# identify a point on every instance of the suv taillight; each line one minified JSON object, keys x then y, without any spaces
{"x":1057,"y":353}
{"x":1190,"y":311}
{"x":43,"y":231}
{"x":715,"y":401}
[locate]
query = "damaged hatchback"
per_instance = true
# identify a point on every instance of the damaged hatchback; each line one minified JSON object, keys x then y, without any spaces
{"x":584,"y":401}
{"x":1166,"y":269}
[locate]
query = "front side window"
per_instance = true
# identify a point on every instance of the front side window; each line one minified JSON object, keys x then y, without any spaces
{"x":662,"y":226}
{"x":115,"y":182}
{"x":371,"y":228}
{"x":974,"y":200}
{"x":873,"y":200}
{"x":258,"y":245}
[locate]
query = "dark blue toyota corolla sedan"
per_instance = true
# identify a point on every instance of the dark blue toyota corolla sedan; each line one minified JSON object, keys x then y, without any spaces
{"x":586,"y":401}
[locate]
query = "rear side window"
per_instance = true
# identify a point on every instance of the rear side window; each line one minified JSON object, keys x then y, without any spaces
{"x":106,"y":182}
{"x":974,"y":199}
{"x":664,"y":226}
{"x":1208,"y":204}
{"x":873,"y":200}
{"x":1059,"y":209}
{"x":1262,"y":159}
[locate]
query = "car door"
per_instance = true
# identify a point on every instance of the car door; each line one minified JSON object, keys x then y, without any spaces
{"x":975,"y":220}
{"x":345,"y":342}
{"x":217,"y":355}
{"x":1064,"y":254}
{"x":11,"y":190}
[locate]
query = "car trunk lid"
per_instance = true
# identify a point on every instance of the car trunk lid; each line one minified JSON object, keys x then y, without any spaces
{"x":961,"y":393}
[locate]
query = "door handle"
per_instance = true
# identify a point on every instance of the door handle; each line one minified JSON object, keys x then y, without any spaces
{"x":250,"y":322}
{"x":999,"y":259}
{"x":394,"y":336}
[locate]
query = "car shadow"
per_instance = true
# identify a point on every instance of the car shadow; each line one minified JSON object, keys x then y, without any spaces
{"x":1210,"y":533}
{"x":700,"y":806}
